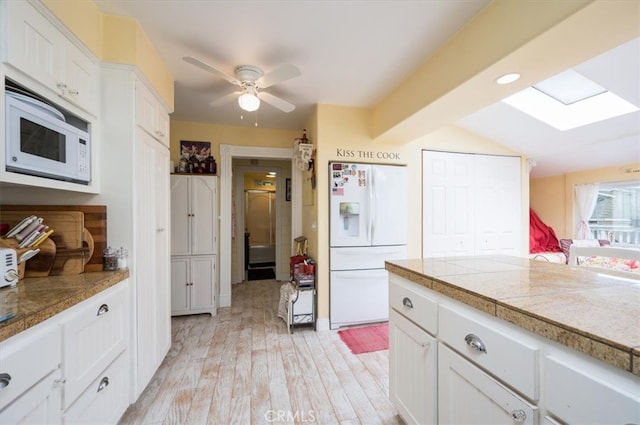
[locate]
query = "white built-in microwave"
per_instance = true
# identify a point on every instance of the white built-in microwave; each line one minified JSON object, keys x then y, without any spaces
{"x":40,"y":141}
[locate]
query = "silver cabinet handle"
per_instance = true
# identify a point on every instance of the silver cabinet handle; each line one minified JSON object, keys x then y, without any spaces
{"x":518,"y":415}
{"x":406,"y":301}
{"x":104,"y":383}
{"x":475,"y":343}
{"x":5,"y":379}
{"x":104,"y":309}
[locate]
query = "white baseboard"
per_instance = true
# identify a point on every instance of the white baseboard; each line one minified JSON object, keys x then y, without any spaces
{"x":322,"y":324}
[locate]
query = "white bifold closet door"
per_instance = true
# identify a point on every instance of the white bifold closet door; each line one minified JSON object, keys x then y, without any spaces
{"x":472,"y":204}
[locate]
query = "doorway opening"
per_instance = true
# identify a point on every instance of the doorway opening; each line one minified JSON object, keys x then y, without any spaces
{"x":231,"y":228}
{"x":264,"y":218}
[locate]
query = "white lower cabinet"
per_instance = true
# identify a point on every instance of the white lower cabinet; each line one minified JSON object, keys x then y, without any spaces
{"x":40,"y":405}
{"x":412,"y":370}
{"x":488,"y":371}
{"x":72,"y":368}
{"x":193,"y":285}
{"x":30,"y":382}
{"x":94,"y":335}
{"x":467,"y":395}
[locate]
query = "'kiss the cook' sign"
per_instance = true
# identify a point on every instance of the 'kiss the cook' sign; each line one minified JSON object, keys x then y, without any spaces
{"x":357,"y":154}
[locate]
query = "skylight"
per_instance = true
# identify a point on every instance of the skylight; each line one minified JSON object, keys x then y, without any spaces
{"x":569,"y":100}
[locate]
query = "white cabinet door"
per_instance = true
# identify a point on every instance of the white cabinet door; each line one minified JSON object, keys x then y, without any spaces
{"x":81,"y":80}
{"x":180,"y":216}
{"x":471,"y":204}
{"x":202,"y":283}
{"x":204,"y":215}
{"x":34,"y":46}
{"x":46,"y":55}
{"x":412,"y":371}
{"x":467,"y":395}
{"x":179,"y":285}
{"x":498,"y":204}
{"x":193,"y":285}
{"x":152,"y":262}
{"x":151,"y":115}
{"x":447,"y":216}
{"x":193,"y":215}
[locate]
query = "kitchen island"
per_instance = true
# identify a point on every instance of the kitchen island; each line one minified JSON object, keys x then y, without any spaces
{"x":561,"y":343}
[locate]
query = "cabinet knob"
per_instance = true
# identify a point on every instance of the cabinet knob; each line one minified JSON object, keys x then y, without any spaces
{"x":406,"y":301}
{"x":518,"y":415}
{"x":104,"y":309}
{"x":475,"y":343}
{"x":5,"y":379}
{"x":104,"y":383}
{"x":160,"y":229}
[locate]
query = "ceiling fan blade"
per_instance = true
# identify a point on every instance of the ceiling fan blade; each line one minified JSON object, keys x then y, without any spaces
{"x":285,"y":72}
{"x":197,"y":62}
{"x":281,"y":104}
{"x":225,"y":99}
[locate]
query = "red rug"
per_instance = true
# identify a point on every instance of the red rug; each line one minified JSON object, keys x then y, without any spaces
{"x":366,"y":339}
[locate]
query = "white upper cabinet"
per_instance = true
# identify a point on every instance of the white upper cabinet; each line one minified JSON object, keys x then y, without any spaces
{"x":193,"y":215}
{"x":37,"y":48}
{"x":151,"y":115}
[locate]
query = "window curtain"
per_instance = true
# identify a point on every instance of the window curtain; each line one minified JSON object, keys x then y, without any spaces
{"x":586,"y":199}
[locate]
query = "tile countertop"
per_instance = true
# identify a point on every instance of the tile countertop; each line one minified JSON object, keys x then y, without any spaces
{"x":41,"y":298}
{"x":596,"y":314}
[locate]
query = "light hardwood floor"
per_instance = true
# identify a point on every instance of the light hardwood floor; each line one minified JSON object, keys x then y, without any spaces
{"x":243,"y":367}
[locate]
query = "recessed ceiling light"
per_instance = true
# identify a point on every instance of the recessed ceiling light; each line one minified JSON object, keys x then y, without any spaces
{"x":508,"y":78}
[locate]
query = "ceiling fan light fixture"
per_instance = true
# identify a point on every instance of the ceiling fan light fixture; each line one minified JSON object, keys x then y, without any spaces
{"x":249,"y":102}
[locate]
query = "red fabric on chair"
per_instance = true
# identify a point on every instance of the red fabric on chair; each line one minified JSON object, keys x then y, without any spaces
{"x":542,"y":238}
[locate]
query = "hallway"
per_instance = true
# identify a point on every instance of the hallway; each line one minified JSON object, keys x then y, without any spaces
{"x":242,"y":367}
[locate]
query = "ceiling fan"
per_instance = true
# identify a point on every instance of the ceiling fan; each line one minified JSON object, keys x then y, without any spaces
{"x":251,"y":80}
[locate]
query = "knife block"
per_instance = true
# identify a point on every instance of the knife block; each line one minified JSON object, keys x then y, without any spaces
{"x":40,"y":265}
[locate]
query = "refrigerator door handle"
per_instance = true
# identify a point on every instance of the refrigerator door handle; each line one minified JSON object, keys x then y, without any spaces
{"x":372,"y":206}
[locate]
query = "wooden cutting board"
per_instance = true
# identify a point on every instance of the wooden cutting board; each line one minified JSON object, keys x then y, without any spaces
{"x":95,"y":222}
{"x":68,"y":231}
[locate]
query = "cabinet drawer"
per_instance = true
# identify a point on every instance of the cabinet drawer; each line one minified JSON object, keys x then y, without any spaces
{"x":39,"y":405}
{"x":492,"y":345}
{"x":94,"y":334}
{"x":22,"y":363}
{"x":467,"y":395}
{"x":577,"y":393}
{"x":105,"y":400}
{"x":413,"y":302}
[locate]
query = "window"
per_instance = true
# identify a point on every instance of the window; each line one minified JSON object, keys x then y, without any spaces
{"x":617,"y":213}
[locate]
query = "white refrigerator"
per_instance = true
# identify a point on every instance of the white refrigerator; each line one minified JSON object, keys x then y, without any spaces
{"x":368,"y":225}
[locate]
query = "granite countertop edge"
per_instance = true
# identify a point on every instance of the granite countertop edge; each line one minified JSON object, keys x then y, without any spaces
{"x":608,"y":351}
{"x":53,"y":295}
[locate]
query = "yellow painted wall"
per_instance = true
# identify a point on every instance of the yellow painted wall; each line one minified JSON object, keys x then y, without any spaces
{"x":343,"y":135}
{"x":83,"y":18}
{"x":547,"y":197}
{"x":115,"y":39}
{"x":553,"y":197}
{"x":227,"y":135}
